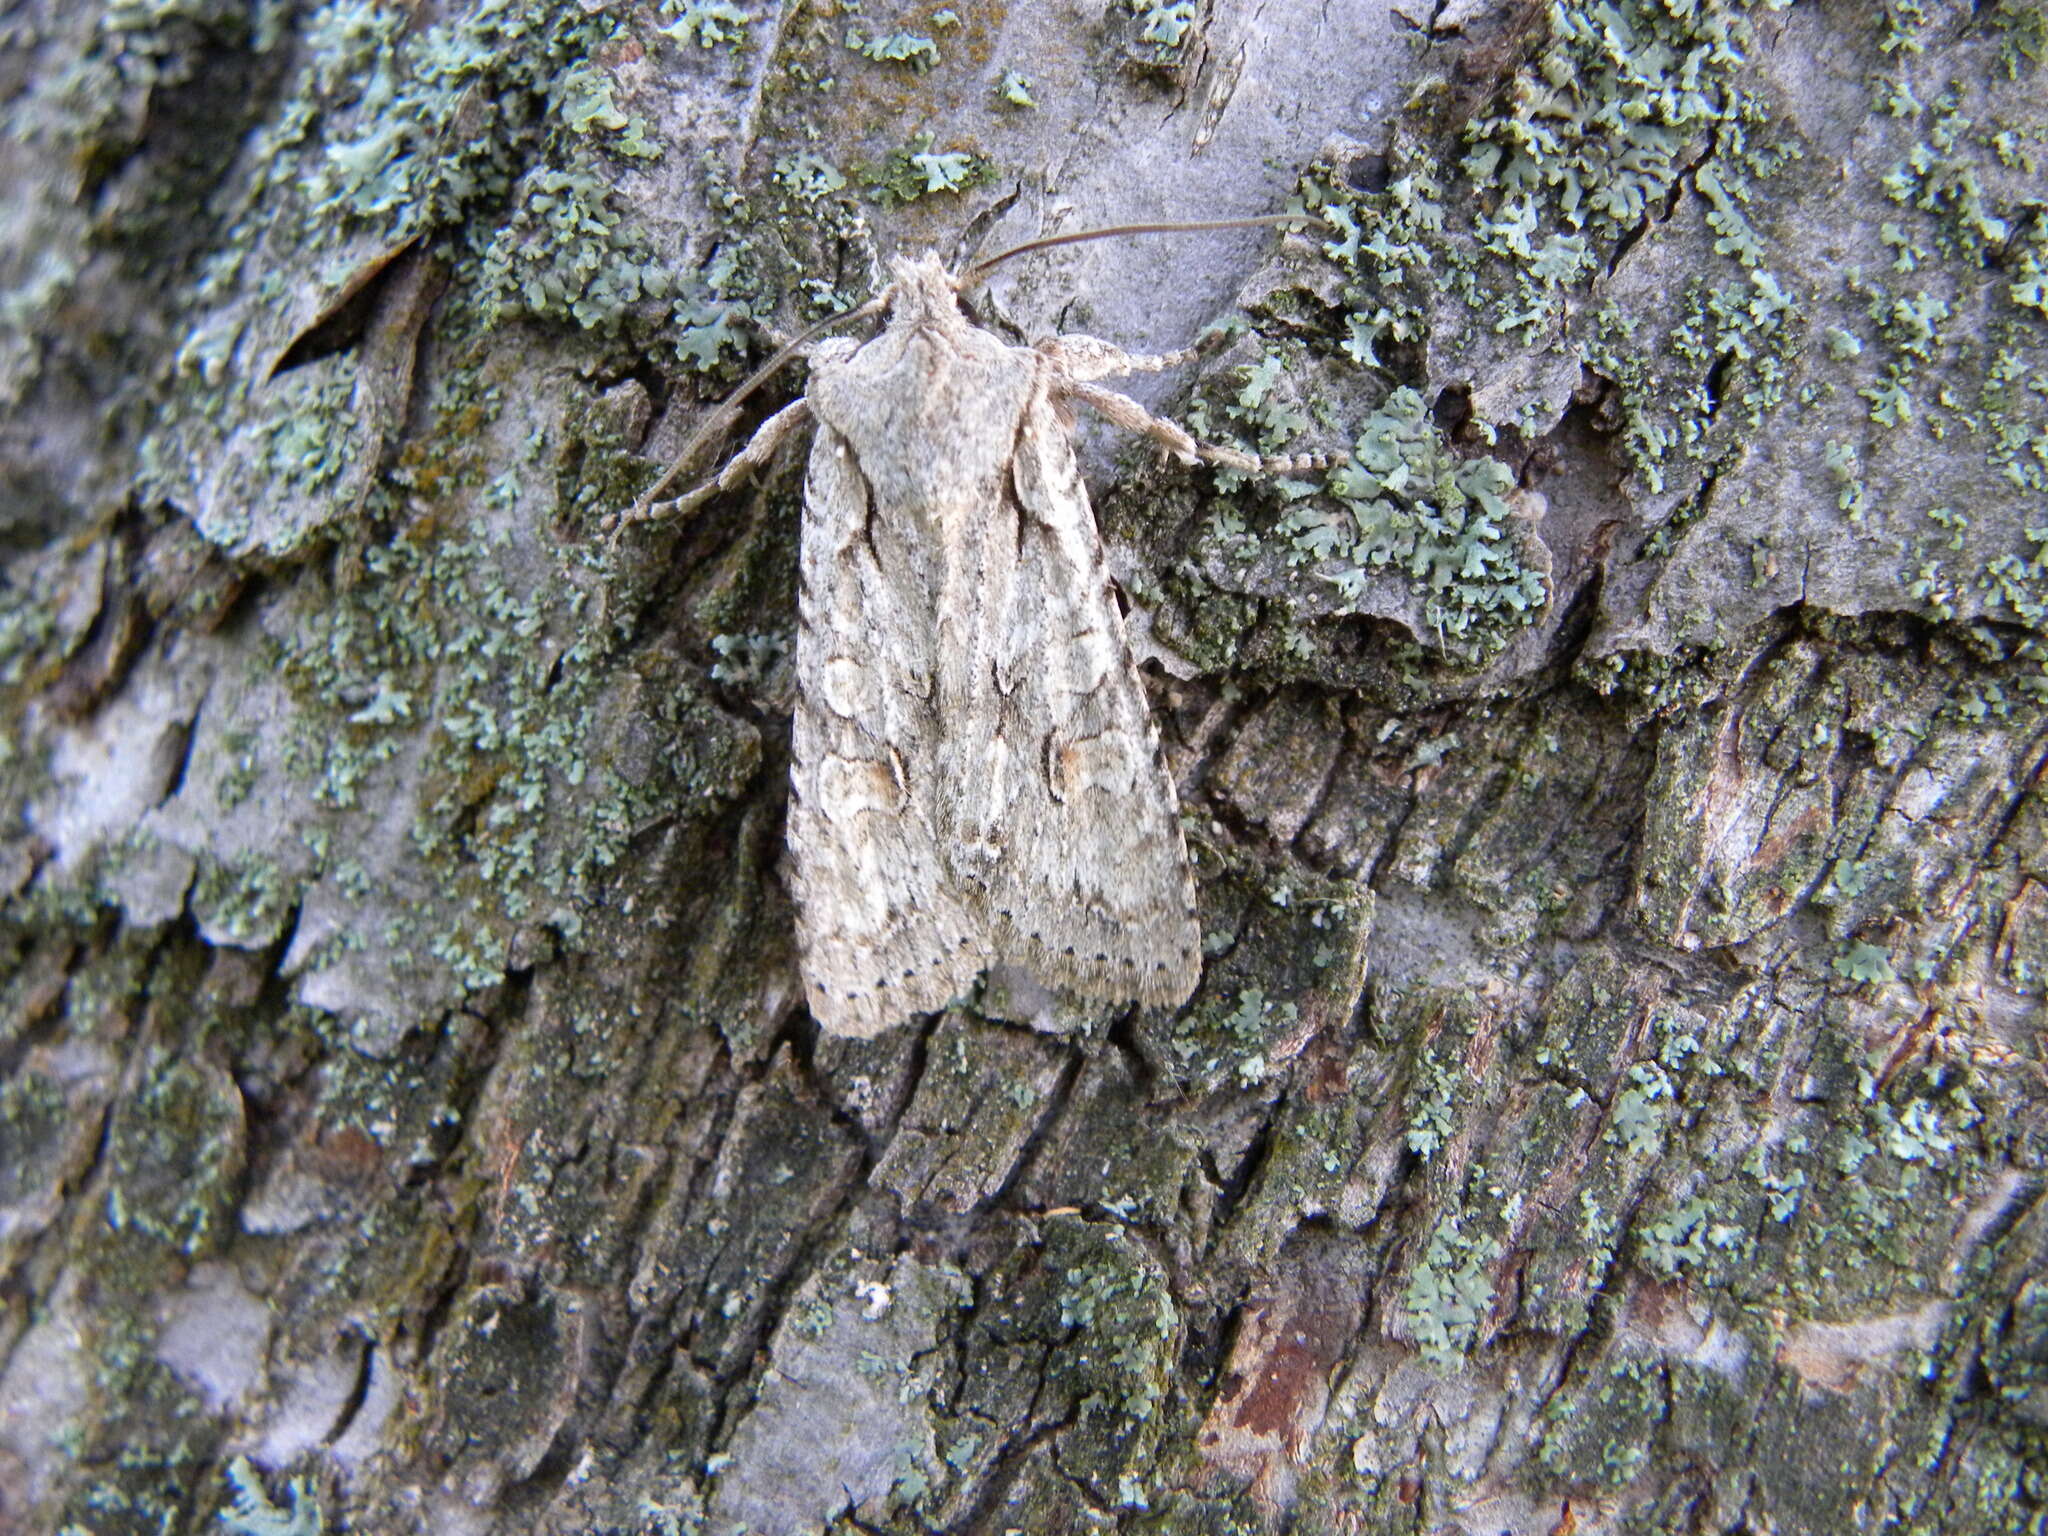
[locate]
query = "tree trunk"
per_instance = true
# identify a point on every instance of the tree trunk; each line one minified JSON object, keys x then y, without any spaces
{"x":1614,"y":1097}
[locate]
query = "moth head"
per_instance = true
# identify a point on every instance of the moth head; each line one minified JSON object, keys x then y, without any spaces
{"x":923,"y":293}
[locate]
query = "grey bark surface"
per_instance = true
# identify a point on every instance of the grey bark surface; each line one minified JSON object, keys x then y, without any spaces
{"x":1614,"y":1100}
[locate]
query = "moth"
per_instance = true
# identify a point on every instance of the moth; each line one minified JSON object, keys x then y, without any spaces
{"x":976,"y":779}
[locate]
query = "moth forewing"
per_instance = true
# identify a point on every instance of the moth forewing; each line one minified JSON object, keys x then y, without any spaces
{"x":975,"y":777}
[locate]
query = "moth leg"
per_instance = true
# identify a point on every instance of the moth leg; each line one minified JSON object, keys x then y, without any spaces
{"x":1123,"y":411}
{"x":761,"y":448}
{"x":1085,"y":358}
{"x":763,"y":445}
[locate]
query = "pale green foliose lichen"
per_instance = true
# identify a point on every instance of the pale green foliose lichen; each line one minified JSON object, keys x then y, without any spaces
{"x":1410,"y":505}
{"x":707,"y":23}
{"x":252,"y":1513}
{"x":1449,"y":1292}
{"x":920,"y":53}
{"x":1164,"y":23}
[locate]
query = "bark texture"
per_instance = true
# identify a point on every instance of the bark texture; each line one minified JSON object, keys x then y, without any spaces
{"x":1614,"y":1100}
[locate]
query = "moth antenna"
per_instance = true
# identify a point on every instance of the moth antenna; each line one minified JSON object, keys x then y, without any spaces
{"x":981,"y":269}
{"x":727,"y":413}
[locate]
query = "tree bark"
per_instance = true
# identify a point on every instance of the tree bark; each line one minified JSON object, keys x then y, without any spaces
{"x":1614,"y":1101}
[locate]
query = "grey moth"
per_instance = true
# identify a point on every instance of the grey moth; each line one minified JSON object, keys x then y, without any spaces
{"x":976,"y":780}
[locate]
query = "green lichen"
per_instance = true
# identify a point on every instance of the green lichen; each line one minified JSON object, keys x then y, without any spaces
{"x":1432,"y":1118}
{"x":1619,"y":104}
{"x":1449,"y":1292}
{"x":140,"y":1467}
{"x":1232,"y":1035}
{"x":1783,"y":1191}
{"x":1411,"y":506}
{"x":1865,"y":964}
{"x":435,"y":639}
{"x":1595,"y":132}
{"x":1600,"y":1429}
{"x":308,"y":440}
{"x":945,"y":173}
{"x":1121,"y":1306}
{"x":708,"y":316}
{"x":567,"y":253}
{"x":1163,"y":23}
{"x":175,"y":1150}
{"x":1271,"y":420}
{"x":1965,"y":246}
{"x":583,"y":97}
{"x":1939,"y":176}
{"x":1642,"y":1111}
{"x":246,"y":900}
{"x":1389,"y":246}
{"x":253,"y":1514}
{"x":399,"y":158}
{"x":808,"y":176}
{"x":917,"y":171}
{"x":910,"y":48}
{"x":2025,"y":41}
{"x":746,"y":661}
{"x":34,"y":1117}
{"x":1844,"y":465}
{"x":1685,"y":1237}
{"x":508,"y":125}
{"x":29,"y":610}
{"x":707,"y":23}
{"x":2027,"y":259}
{"x":1671,"y":419}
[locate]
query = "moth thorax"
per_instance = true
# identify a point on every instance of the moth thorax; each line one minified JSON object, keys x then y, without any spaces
{"x":923,"y":293}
